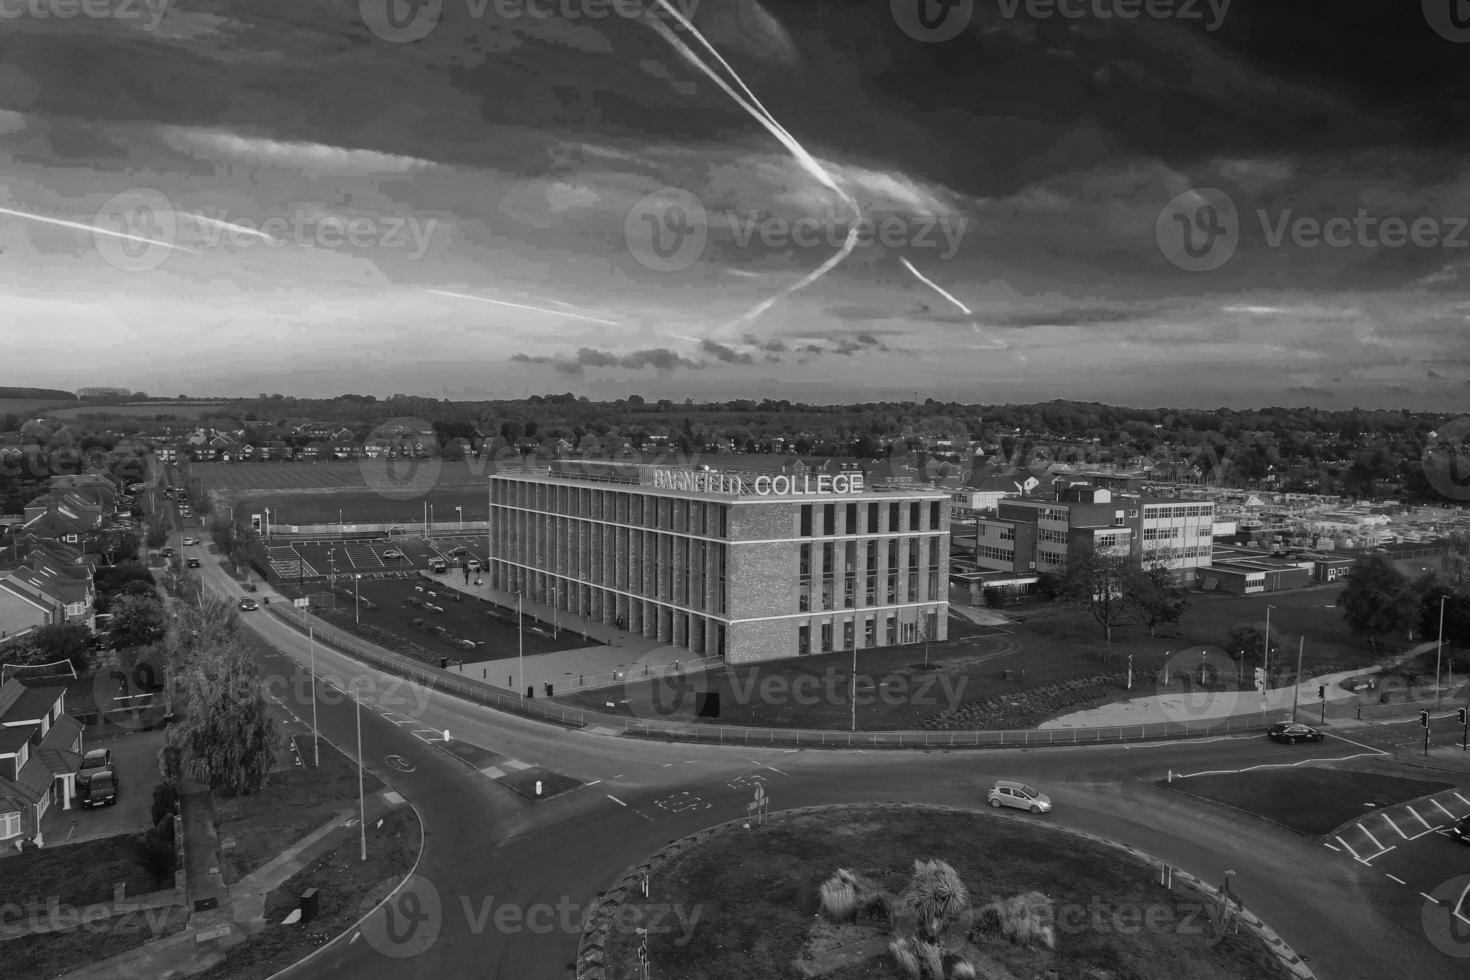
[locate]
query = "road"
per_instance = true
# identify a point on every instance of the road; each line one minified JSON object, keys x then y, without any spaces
{"x":487,"y":847}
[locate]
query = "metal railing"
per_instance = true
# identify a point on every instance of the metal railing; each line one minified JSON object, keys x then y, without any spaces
{"x":647,"y":672}
{"x":434,"y":678}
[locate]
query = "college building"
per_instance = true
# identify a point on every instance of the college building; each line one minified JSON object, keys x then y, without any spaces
{"x":1033,"y":536}
{"x":740,"y":565}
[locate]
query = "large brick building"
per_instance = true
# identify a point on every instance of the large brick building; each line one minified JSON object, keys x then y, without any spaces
{"x":737,"y":565}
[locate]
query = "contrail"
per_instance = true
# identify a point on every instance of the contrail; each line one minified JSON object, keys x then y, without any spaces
{"x":231,"y":226}
{"x":936,"y":287}
{"x":94,"y":229}
{"x":523,"y":306}
{"x":764,"y":117}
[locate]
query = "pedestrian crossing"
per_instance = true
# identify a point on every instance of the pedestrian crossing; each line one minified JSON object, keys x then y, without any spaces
{"x":1383,"y":831}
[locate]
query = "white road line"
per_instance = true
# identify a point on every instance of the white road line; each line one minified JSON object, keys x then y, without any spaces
{"x":1394,"y":877}
{"x":1360,"y":745}
{"x":1370,"y":860}
{"x":667,"y":764}
{"x":1417,"y":817}
{"x":1394,"y":826}
{"x":616,"y":800}
{"x":764,"y":766}
{"x":1369,"y":834}
{"x":594,"y":782}
{"x":1333,"y":846}
{"x":516,"y":764}
{"x":1349,"y":849}
{"x":1430,"y":898}
{"x":1425,"y":833}
{"x":1442,"y":809}
{"x":1275,"y":765}
{"x":1462,"y":799}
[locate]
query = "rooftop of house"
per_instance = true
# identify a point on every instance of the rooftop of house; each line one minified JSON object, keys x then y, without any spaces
{"x":20,"y":701}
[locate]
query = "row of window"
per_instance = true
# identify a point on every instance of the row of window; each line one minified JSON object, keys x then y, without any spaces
{"x":862,"y":554}
{"x":893,"y":633}
{"x":997,"y":554}
{"x":873,"y":512}
{"x":1188,"y":510}
{"x":615,"y":507}
{"x":829,"y":598}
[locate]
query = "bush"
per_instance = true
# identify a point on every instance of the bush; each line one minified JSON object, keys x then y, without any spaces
{"x":165,"y":800}
{"x":156,"y":856}
{"x":906,"y":956}
{"x":839,"y":897}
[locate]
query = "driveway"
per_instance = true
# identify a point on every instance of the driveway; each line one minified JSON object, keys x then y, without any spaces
{"x":135,"y":758}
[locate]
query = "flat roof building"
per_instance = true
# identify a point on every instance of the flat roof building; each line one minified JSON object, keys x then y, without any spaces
{"x":744,"y":566}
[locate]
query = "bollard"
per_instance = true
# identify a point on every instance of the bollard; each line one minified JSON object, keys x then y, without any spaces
{"x":538,"y":787}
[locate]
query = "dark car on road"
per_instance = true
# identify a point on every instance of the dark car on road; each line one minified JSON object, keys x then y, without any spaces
{"x":247,"y":604}
{"x":99,"y":788}
{"x":192,"y":562}
{"x":1292,"y":733}
{"x":1460,"y":830}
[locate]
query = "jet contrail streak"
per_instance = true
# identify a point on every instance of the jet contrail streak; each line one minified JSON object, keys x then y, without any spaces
{"x":94,"y":229}
{"x":231,"y":226}
{"x":523,"y":306}
{"x":936,"y":287}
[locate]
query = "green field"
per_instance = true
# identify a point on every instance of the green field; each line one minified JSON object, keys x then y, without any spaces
{"x":28,"y":406}
{"x":399,"y":477}
{"x":368,"y":507}
{"x":183,"y":410}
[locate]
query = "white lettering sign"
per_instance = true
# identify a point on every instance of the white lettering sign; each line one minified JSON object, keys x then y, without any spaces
{"x":788,"y":486}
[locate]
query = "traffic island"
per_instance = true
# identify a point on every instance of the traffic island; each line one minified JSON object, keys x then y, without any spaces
{"x":908,"y":890}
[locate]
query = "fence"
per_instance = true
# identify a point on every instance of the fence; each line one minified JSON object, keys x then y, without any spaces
{"x":407,"y":530}
{"x":649,"y":672}
{"x":434,"y":678}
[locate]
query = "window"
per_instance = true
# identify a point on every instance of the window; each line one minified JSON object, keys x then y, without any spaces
{"x":9,"y":825}
{"x":893,"y":518}
{"x":872,"y":518}
{"x":804,"y":639}
{"x":826,"y":637}
{"x":847,"y":634}
{"x":806,"y":520}
{"x":806,"y":561}
{"x":891,"y":631}
{"x":870,"y":632}
{"x":934,"y":515}
{"x":829,"y":519}
{"x":914,"y":516}
{"x":851,"y":520}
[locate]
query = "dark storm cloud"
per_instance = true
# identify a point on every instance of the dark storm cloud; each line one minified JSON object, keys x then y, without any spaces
{"x":724,"y":354}
{"x":659,"y":358}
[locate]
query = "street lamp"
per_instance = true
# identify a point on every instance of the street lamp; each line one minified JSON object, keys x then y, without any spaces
{"x":356,"y":602}
{"x":361,"y":799}
{"x":1266,"y":658}
{"x":267,"y":522}
{"x":460,"y":512}
{"x":555,"y":619}
{"x":521,"y":645}
{"x":316,"y":745}
{"x":1439,"y":656}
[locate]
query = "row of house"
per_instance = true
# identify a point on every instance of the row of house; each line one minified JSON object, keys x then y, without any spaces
{"x":48,"y":568}
{"x":40,"y":753}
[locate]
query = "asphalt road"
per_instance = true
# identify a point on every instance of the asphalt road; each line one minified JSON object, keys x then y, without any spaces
{"x":488,"y":848}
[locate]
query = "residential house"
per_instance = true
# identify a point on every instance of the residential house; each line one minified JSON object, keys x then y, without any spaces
{"x":40,"y":753}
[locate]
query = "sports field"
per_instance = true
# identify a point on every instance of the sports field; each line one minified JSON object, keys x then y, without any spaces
{"x":368,"y":507}
{"x":401,"y":477}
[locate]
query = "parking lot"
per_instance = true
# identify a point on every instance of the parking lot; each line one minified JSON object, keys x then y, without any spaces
{"x":135,"y":759}
{"x":333,"y":557}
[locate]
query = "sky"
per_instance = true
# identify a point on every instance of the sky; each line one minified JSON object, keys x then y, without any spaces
{"x":1222,"y":204}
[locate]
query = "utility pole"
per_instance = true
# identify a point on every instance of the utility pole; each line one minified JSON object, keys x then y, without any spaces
{"x":1296,"y":695}
{"x":854,"y":680}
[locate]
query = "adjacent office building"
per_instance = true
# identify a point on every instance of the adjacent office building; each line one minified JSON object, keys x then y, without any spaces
{"x":744,"y":566}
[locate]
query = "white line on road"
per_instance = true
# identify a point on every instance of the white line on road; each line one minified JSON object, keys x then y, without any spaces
{"x":1360,"y":745}
{"x":1349,"y":849}
{"x":1270,"y":765}
{"x":1375,"y":857}
{"x":594,"y":782}
{"x":1462,"y":799}
{"x":1333,"y":846}
{"x":1430,"y":898}
{"x":616,"y":800}
{"x":1395,"y":878}
{"x":1394,"y":826}
{"x":1417,"y":817}
{"x":764,"y":766}
{"x":1442,"y":809}
{"x":1369,"y":834}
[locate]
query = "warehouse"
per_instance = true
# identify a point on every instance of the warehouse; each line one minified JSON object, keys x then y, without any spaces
{"x":744,"y":566}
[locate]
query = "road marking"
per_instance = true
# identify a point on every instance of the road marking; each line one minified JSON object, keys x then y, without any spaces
{"x":1394,"y":826}
{"x":1348,"y":848}
{"x":1442,"y":809}
{"x":516,"y":764}
{"x":1333,"y":846}
{"x":1417,"y":817}
{"x":1395,"y":878}
{"x":493,"y":772}
{"x":1375,"y":857}
{"x":764,"y":766}
{"x":1360,"y":745}
{"x":616,"y":800}
{"x":594,"y":782}
{"x":1430,"y":898}
{"x":1369,"y":834}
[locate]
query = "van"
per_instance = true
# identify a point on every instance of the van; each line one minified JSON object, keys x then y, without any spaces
{"x":438,"y":567}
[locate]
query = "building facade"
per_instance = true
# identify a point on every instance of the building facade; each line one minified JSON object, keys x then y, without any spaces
{"x":742,"y":566}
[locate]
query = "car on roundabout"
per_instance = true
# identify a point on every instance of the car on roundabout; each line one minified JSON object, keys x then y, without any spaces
{"x":248,"y":604}
{"x":1291,"y":733}
{"x":1008,"y":792}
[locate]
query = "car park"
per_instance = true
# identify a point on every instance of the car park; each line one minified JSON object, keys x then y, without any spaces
{"x":459,"y":552}
{"x":473,"y":565}
{"x":247,"y":604}
{"x":438,"y":567}
{"x":1008,"y":792}
{"x":1291,"y":733}
{"x":1460,"y":830}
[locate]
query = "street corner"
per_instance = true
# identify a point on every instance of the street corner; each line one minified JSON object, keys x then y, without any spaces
{"x":1445,"y":916}
{"x":409,"y":922}
{"x":1197,"y":683}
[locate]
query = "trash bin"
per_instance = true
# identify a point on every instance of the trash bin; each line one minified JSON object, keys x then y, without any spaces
{"x":530,"y":690}
{"x":1005,"y":675}
{"x":308,"y":905}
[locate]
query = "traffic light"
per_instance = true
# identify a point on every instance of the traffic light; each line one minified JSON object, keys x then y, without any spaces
{"x":1460,"y":715}
{"x":1321,"y":692}
{"x":1423,"y":719}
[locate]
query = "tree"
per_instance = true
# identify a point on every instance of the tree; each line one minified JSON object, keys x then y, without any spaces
{"x":64,"y":641}
{"x":1456,"y":561}
{"x":1248,"y":640}
{"x":1378,"y":599}
{"x":137,"y":620}
{"x":229,"y":739}
{"x":1157,"y":596}
{"x":222,"y":533}
{"x":1098,"y":582}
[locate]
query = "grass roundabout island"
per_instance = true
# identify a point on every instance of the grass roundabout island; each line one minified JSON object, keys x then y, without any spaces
{"x":908,"y":891}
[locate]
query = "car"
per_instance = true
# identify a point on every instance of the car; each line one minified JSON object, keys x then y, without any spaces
{"x":438,"y":567}
{"x":167,"y":552}
{"x":459,"y":552}
{"x":473,"y":565}
{"x":192,"y":562}
{"x":191,"y":541}
{"x":95,"y":760}
{"x":1460,"y":830}
{"x":1008,"y":792}
{"x":1292,"y":733}
{"x":392,"y":553}
{"x":247,"y":604}
{"x":99,"y":788}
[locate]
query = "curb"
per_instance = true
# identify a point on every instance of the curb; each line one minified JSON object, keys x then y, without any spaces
{"x":591,"y":947}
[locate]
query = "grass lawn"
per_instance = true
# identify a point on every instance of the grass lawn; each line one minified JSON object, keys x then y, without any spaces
{"x":1307,"y":799}
{"x":334,"y":474}
{"x":75,"y":874}
{"x":293,"y":804}
{"x":748,"y":902}
{"x":1052,"y":663}
{"x":347,"y":888}
{"x":51,"y":956}
{"x":362,"y":506}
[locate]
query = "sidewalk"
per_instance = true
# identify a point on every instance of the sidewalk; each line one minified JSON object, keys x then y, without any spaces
{"x":241,"y":910}
{"x":1180,"y":707}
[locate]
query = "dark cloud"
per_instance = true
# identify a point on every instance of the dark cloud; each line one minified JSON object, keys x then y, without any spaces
{"x":772,"y":345}
{"x":724,"y":354}
{"x":1076,"y":317}
{"x":658,"y":358}
{"x":1431,"y":373}
{"x":772,"y":359}
{"x":869,"y":339}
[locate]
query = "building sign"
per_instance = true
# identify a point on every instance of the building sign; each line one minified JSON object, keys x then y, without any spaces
{"x":782,"y":486}
{"x":697,"y":482}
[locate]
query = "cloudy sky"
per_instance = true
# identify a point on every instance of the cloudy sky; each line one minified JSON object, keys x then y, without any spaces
{"x":494,"y":198}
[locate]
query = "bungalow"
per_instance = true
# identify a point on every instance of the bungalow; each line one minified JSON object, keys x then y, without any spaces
{"x":21,"y":612}
{"x":40,"y":753}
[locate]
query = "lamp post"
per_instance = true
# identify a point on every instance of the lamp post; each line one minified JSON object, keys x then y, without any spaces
{"x":459,"y":512}
{"x":1266,"y":657}
{"x":521,"y":646}
{"x":267,"y":523}
{"x":316,"y":745}
{"x":361,"y":799}
{"x":1439,"y":655}
{"x":356,"y":602}
{"x":854,"y":680}
{"x":555,"y":619}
